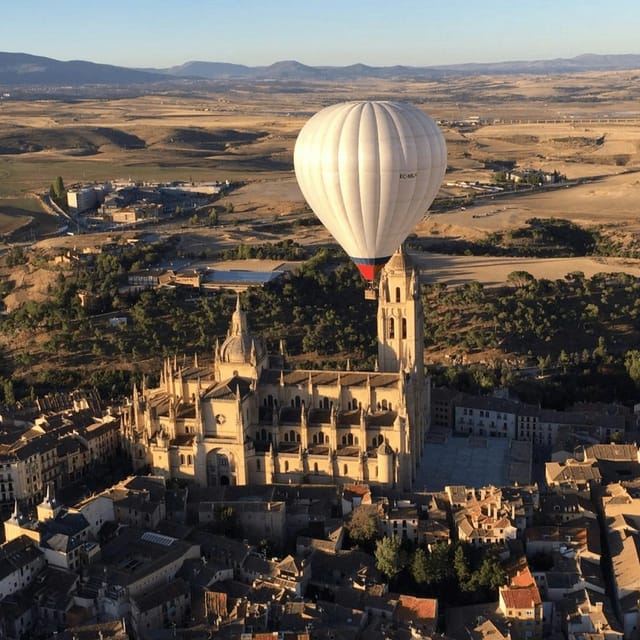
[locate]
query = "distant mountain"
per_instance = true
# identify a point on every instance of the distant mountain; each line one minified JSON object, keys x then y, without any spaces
{"x":27,"y":70}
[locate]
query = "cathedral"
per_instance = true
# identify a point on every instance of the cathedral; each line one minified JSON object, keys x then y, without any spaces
{"x":247,"y":419}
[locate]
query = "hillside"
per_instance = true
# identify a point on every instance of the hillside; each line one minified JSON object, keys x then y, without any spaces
{"x":22,"y":69}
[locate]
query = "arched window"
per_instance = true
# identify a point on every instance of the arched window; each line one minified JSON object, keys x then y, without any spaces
{"x":258,"y":465}
{"x":404,"y":328}
{"x":186,"y":429}
{"x":321,"y":437}
{"x":297,"y":401}
{"x":315,"y":438}
{"x":315,"y":467}
{"x":292,"y":435}
{"x":270,"y":400}
{"x":392,"y":332}
{"x":345,"y":470}
{"x":297,"y":437}
{"x":374,"y":442}
{"x":325,"y":403}
{"x":286,"y":437}
{"x":390,"y":407}
{"x":189,"y":460}
{"x":350,"y":439}
{"x":181,"y":459}
{"x":376,"y":471}
{"x":286,"y":465}
{"x":397,"y":294}
{"x":264,"y":434}
{"x":384,"y":405}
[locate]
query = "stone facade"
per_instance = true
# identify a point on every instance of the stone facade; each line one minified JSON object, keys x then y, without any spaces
{"x":248,"y":419}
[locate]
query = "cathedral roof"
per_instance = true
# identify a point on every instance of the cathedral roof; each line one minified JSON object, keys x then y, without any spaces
{"x":329,"y":378}
{"x":228,"y":389}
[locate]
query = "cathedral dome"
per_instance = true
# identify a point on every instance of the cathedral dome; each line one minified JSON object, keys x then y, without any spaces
{"x":236,"y":349}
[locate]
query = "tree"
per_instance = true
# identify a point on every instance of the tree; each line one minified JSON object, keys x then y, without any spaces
{"x":461,"y":567}
{"x":420,"y":567}
{"x":632,"y":365}
{"x":520,"y":278}
{"x":390,"y":558}
{"x":57,"y":188}
{"x":363,"y":526}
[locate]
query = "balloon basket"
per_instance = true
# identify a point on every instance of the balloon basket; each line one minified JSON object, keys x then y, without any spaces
{"x":370,"y":293}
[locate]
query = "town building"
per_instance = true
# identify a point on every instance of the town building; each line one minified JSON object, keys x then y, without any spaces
{"x":249,"y":419}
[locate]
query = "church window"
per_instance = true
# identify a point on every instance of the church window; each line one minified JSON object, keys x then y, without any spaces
{"x":186,"y":429}
{"x":181,"y":458}
{"x":292,"y":436}
{"x":321,"y":437}
{"x":384,"y":405}
{"x":270,"y":400}
{"x":286,"y":465}
{"x":391,"y":328}
{"x":297,"y":401}
{"x":344,"y":439}
{"x":350,"y":439}
{"x":404,"y":328}
{"x":376,"y":471}
{"x":264,"y":434}
{"x":390,"y":407}
{"x":346,"y":470}
{"x":257,"y":465}
{"x":397,"y":294}
{"x":315,"y":438}
{"x":325,"y":403}
{"x":297,"y":437}
{"x":374,"y":442}
{"x":286,"y":437}
{"x":315,"y":467}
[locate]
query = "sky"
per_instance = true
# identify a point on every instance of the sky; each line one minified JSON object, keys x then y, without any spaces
{"x":165,"y":33}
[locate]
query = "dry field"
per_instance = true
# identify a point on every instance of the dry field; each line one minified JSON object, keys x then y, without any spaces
{"x":586,"y":126}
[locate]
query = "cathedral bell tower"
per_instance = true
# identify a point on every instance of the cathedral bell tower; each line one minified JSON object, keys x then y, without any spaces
{"x":401,"y":347}
{"x":400,"y":317}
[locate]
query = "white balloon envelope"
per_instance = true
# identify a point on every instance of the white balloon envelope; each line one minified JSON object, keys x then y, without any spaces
{"x":370,"y":170}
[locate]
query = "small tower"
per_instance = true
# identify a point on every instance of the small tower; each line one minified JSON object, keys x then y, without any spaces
{"x":385,"y":465}
{"x":49,"y":508}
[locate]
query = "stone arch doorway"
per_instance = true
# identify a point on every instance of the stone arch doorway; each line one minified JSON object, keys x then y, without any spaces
{"x":220,"y":468}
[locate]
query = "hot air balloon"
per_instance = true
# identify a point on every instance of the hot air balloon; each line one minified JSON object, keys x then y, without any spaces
{"x":370,"y":170}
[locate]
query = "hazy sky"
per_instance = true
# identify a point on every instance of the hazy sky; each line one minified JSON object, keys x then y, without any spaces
{"x":162,"y":33}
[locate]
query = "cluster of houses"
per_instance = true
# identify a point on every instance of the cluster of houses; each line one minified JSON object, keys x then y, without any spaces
{"x":124,"y":202}
{"x":147,"y":558}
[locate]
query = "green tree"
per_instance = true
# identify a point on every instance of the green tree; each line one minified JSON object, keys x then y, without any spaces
{"x":363,"y":526}
{"x":632,"y":365}
{"x":461,"y":567}
{"x":420,"y":566}
{"x":58,"y":191}
{"x":390,"y":558}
